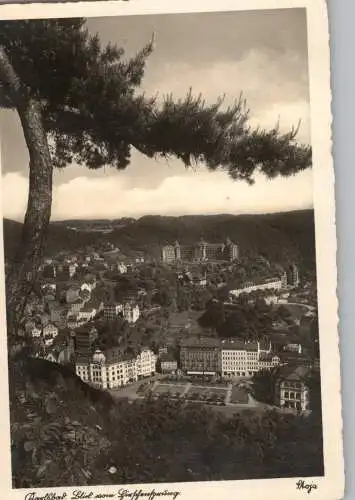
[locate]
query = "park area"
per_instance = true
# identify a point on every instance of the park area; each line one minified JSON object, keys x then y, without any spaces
{"x":239,"y":396}
{"x":191,"y":392}
{"x":172,"y":390}
{"x":208,"y":395}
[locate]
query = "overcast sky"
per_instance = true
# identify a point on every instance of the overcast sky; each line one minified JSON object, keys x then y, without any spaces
{"x":261,"y":53}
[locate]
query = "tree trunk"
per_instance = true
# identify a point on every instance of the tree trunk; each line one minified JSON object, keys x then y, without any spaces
{"x":25,"y":264}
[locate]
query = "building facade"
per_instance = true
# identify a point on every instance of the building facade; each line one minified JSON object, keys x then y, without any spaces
{"x":112,"y":368}
{"x":86,"y":314}
{"x":121,"y":267}
{"x":36,"y":332}
{"x":292,"y":391}
{"x":200,"y":356}
{"x":50,"y":331}
{"x":244,"y":359}
{"x":146,"y":363}
{"x":168,"y":364}
{"x":131,"y":312}
{"x":111,"y":311}
{"x":200,"y":252}
{"x":85,"y":339}
{"x":293,"y":278}
{"x":77,"y":305}
{"x":276,"y":283}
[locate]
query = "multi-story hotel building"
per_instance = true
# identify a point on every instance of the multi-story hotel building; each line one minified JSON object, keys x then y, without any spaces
{"x":200,"y":356}
{"x":84,"y":342}
{"x":244,"y":359}
{"x":112,"y":310}
{"x":146,"y":363}
{"x":131,"y":312}
{"x":168,"y":364}
{"x":289,"y":278}
{"x":292,"y":390}
{"x":200,"y":252}
{"x":293,"y":278}
{"x":112,"y":368}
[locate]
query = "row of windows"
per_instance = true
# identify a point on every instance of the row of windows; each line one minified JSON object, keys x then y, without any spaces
{"x":240,"y":373}
{"x":235,"y":356}
{"x":246,"y":365}
{"x":205,"y":362}
{"x":294,"y":404}
{"x":97,"y":378}
{"x":239,"y":352}
{"x":292,"y":395}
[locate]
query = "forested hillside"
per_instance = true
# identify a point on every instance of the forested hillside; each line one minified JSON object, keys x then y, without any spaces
{"x":277,"y":237}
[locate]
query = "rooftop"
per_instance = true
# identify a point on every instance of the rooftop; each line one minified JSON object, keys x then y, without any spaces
{"x":87,"y":309}
{"x":166,"y":358}
{"x":201,"y":342}
{"x":267,"y":356}
{"x":239,"y":345}
{"x":116,"y":354}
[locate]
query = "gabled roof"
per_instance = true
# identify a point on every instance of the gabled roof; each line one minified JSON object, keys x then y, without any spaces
{"x":201,"y":342}
{"x":239,"y":345}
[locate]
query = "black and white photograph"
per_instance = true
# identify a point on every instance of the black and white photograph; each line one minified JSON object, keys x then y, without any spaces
{"x":169,"y":252}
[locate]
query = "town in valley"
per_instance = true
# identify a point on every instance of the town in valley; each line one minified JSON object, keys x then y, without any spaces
{"x":198,"y":322}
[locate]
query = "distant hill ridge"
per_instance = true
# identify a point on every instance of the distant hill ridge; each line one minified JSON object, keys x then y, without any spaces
{"x":278,"y":237}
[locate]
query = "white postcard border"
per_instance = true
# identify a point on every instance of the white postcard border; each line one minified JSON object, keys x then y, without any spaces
{"x":330,"y":486}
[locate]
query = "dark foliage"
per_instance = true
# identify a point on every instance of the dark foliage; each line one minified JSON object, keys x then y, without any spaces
{"x":59,"y":63}
{"x":65,"y":433}
{"x":247,"y":321}
{"x":264,"y":383}
{"x":278,"y":237}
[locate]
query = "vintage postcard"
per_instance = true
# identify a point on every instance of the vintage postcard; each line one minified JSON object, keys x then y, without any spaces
{"x":169,"y":305}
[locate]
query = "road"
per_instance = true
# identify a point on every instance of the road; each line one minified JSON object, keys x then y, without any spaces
{"x":307,"y":306}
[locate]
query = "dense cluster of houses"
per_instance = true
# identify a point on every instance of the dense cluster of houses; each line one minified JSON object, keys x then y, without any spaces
{"x":68,"y":303}
{"x":67,"y":299}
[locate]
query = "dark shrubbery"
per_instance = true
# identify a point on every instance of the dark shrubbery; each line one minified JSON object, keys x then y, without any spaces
{"x":65,"y":433}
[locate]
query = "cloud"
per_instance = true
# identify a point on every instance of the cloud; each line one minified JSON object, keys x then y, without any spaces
{"x":14,"y":193}
{"x":274,"y":85}
{"x":195,"y":193}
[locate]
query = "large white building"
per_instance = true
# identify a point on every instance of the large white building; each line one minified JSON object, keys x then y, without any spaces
{"x":113,"y":369}
{"x":86,"y":314}
{"x":292,"y":391}
{"x":146,"y":363}
{"x":35,"y":332}
{"x":121,"y":267}
{"x":131,"y":312}
{"x":244,"y":359}
{"x":270,"y":284}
